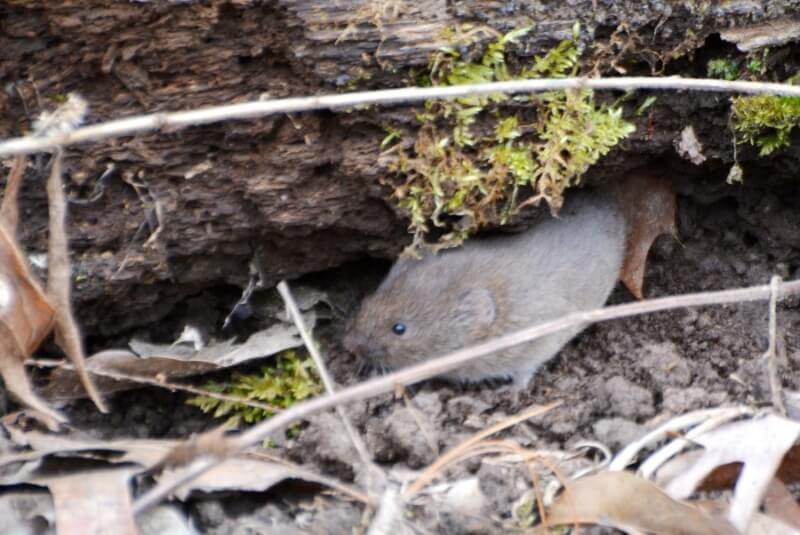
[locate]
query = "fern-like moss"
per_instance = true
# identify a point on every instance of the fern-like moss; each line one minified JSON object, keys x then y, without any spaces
{"x":460,"y":168}
{"x":291,"y":379}
{"x":766,"y":121}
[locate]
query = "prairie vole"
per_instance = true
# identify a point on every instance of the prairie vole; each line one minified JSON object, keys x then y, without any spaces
{"x":492,"y":286}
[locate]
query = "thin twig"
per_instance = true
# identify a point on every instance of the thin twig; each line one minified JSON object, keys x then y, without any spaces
{"x":429,"y":368}
{"x":261,"y":108}
{"x":446,"y":459}
{"x":327,"y":381}
{"x":149,"y":381}
{"x":771,"y":355}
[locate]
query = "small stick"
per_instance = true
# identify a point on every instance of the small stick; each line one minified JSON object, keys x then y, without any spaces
{"x":149,"y":381}
{"x":434,"y":366}
{"x":771,"y":355}
{"x":261,"y":108}
{"x":327,"y":381}
{"x":445,"y":459}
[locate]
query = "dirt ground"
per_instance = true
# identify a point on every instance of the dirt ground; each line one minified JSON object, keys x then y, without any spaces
{"x":616,"y":379}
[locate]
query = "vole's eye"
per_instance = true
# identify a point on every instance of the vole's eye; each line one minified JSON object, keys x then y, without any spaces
{"x":399,"y":328}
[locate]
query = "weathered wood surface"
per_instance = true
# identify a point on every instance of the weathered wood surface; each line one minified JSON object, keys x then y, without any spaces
{"x":302,"y":193}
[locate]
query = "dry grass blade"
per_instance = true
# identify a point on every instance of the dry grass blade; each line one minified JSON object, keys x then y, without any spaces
{"x":297,"y":317}
{"x":772,"y":354}
{"x":448,"y":457}
{"x":59,"y":282}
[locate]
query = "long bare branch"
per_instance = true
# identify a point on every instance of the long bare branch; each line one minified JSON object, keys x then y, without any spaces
{"x":261,"y":108}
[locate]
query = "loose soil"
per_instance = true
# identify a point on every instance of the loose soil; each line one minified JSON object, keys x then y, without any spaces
{"x":616,"y":379}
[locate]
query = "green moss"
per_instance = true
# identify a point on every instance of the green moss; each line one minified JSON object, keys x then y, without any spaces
{"x":473,"y":155}
{"x":526,"y":512}
{"x":723,"y":68}
{"x":291,"y":379}
{"x":765,"y":121}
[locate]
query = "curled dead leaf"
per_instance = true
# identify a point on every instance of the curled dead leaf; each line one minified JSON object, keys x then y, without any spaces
{"x":648,"y":204}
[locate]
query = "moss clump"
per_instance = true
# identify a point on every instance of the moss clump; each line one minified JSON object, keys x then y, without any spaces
{"x":473,"y":154}
{"x":765,"y":121}
{"x":291,"y":379}
{"x":749,"y":67}
{"x":723,"y":68}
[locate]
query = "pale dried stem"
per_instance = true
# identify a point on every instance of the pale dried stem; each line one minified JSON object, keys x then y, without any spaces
{"x":327,"y":381}
{"x":261,"y":108}
{"x":59,"y":281}
{"x":434,"y":366}
{"x":141,"y":380}
{"x":448,"y":457}
{"x":771,"y":354}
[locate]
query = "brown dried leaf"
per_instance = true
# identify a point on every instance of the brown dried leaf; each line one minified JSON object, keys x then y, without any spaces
{"x":24,"y":308}
{"x":9,"y":210}
{"x":628,"y":502}
{"x":26,"y":317}
{"x":59,"y":282}
{"x":243,"y":472}
{"x":760,"y":443}
{"x":93,"y":502}
{"x":170,"y":361}
{"x":780,"y":503}
{"x":12,"y":369}
{"x":648,"y":203}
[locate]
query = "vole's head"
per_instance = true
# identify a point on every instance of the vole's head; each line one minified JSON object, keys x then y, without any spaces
{"x":423,"y":309}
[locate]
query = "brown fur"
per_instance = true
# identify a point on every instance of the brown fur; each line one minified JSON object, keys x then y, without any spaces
{"x":494,"y":286}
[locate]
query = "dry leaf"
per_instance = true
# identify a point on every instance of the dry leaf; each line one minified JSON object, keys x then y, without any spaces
{"x":26,"y":317}
{"x":59,"y":282}
{"x":781,"y":504}
{"x":93,"y":502}
{"x":625,"y":501}
{"x":759,"y":443}
{"x":24,"y":308}
{"x":153,"y":361}
{"x":648,"y":203}
{"x":244,"y":472}
{"x":9,"y":210}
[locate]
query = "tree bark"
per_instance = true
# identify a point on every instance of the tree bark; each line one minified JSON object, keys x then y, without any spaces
{"x":302,"y":193}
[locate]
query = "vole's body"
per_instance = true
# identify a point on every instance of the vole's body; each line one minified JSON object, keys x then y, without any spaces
{"x":495,"y":286}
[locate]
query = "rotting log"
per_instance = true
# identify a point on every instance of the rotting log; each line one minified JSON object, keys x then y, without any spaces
{"x":302,"y":193}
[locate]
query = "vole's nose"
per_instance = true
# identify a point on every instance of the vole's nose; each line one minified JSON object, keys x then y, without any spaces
{"x":359,"y":345}
{"x":355,"y":343}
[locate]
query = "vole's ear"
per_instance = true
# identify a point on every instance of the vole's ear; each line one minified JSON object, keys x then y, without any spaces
{"x":475,"y":307}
